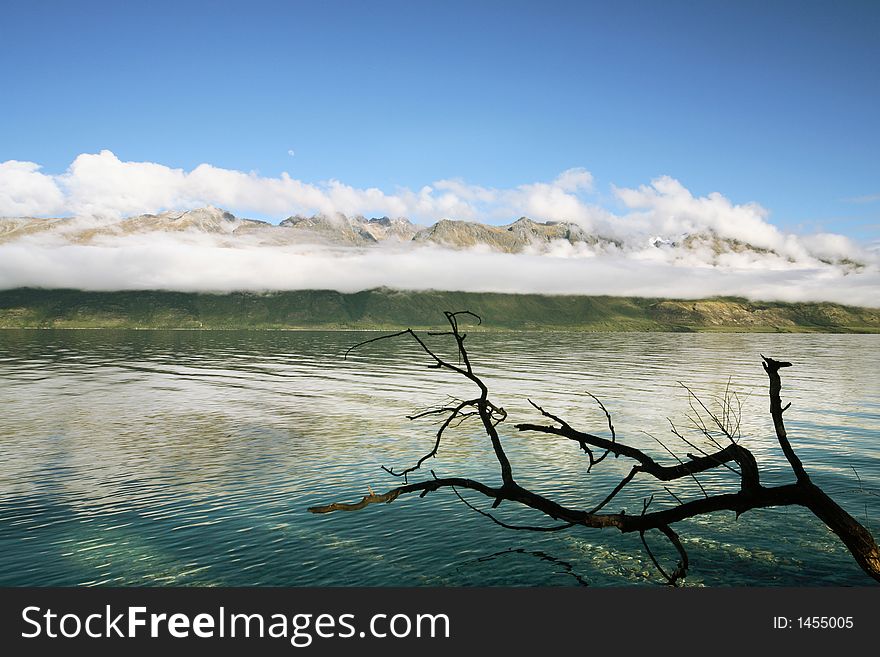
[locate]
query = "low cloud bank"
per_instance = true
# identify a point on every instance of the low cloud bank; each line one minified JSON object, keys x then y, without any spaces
{"x":198,"y":263}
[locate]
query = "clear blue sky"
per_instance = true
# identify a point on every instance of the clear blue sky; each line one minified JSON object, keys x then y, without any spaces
{"x":776,"y":102}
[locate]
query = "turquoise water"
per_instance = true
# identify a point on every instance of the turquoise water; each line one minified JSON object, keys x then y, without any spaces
{"x":189,"y":458}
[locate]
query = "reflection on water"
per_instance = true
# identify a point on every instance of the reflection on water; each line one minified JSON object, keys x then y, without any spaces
{"x":189,"y":458}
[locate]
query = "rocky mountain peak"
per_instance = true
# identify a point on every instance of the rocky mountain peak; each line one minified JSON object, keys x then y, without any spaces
{"x":522,"y":235}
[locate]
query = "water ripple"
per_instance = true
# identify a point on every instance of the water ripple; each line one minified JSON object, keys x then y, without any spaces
{"x":188,"y":458}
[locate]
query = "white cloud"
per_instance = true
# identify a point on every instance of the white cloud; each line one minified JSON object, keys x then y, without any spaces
{"x":24,"y":191}
{"x":100,"y":187}
{"x":832,"y":247}
{"x":103,"y":185}
{"x":200,"y":262}
{"x":667,"y":207}
{"x":573,"y":180}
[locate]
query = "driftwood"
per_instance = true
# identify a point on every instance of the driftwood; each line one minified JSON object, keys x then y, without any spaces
{"x":715,"y":426}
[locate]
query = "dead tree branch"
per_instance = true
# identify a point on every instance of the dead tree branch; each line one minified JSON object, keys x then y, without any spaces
{"x":710,"y":424}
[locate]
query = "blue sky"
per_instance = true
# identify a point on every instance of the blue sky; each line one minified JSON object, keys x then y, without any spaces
{"x":773,"y":102}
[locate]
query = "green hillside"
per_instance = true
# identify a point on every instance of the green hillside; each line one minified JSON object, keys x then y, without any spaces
{"x":386,"y":309}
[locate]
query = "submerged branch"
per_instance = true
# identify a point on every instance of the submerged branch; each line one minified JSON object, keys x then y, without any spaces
{"x":733,"y":456}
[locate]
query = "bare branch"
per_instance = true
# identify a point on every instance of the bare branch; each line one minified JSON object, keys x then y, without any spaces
{"x":623,"y":482}
{"x":725,"y":422}
{"x":772,"y":368}
{"x":673,"y":455}
{"x":507,"y":526}
{"x":453,"y":414}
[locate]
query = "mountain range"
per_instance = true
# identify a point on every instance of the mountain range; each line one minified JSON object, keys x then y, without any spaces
{"x":521,"y":236}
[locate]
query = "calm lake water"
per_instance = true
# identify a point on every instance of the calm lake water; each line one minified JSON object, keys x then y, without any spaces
{"x":189,"y":458}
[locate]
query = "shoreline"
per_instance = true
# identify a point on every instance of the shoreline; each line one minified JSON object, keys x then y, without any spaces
{"x":318,"y":329}
{"x":392,"y":310}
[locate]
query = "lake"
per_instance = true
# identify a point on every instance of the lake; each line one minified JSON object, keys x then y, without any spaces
{"x":189,"y":458}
